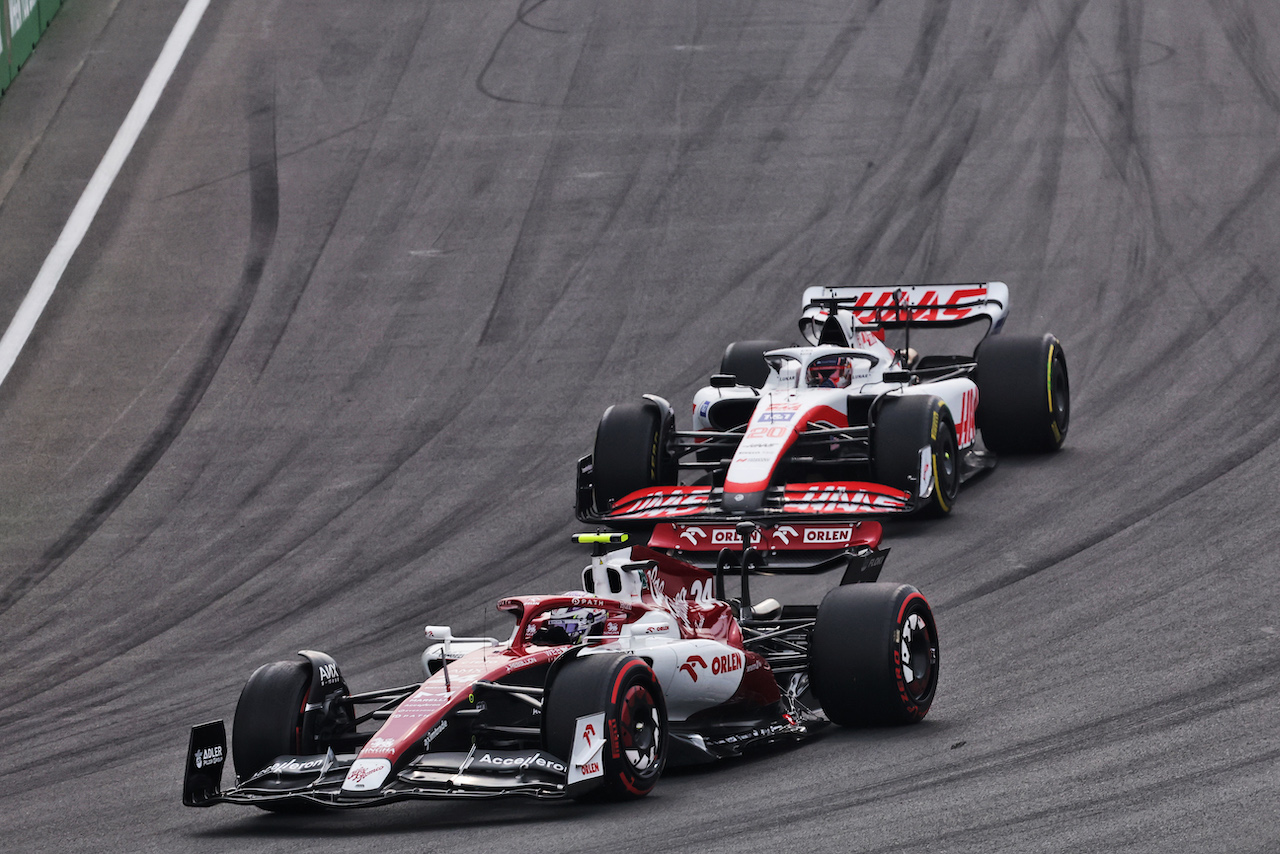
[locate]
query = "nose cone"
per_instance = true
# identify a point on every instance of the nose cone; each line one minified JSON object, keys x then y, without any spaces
{"x":366,"y":775}
{"x":743,"y":502}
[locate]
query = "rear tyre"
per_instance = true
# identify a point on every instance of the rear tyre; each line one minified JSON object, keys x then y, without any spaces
{"x":873,"y":658}
{"x":1024,"y":395}
{"x":903,"y":426}
{"x":630,"y":451}
{"x":745,"y":360}
{"x":626,"y":690}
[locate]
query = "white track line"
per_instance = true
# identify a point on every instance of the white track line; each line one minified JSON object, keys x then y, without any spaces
{"x":24,"y":321}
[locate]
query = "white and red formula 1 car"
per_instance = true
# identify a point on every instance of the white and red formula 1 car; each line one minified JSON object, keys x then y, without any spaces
{"x":843,"y":426}
{"x":597,"y":689}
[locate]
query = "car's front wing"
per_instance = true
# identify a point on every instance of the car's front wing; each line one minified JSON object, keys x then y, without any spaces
{"x":793,"y":501}
{"x":478,"y":773}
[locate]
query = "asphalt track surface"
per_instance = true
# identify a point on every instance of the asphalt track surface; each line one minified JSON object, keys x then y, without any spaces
{"x":319,"y":374}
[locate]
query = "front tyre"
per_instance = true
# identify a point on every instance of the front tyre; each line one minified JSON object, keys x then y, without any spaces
{"x":269,"y":722}
{"x":625,"y":689}
{"x":268,"y":719}
{"x":630,"y":451}
{"x":1024,"y":394}
{"x":903,"y":427}
{"x":873,"y":658}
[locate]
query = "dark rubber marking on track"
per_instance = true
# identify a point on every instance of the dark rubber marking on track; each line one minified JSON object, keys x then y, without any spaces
{"x":264,"y":216}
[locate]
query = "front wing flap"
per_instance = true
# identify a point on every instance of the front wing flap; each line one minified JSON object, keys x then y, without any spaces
{"x":479,"y":773}
{"x":694,"y":745}
{"x":795,"y":501}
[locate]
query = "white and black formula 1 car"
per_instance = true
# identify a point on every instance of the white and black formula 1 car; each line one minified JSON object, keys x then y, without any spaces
{"x":843,"y":426}
{"x":597,"y":689}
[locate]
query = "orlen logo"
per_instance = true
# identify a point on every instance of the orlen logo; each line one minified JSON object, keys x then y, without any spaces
{"x":726,"y":663}
{"x":827,"y":535}
{"x":694,"y":534}
{"x":728,"y":536}
{"x":719,"y":664}
{"x":688,"y":666}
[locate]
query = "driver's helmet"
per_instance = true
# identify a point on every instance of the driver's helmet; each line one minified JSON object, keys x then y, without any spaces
{"x":830,"y":372}
{"x":566,"y":626}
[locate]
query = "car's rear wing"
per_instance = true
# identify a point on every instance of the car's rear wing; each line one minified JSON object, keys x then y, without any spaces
{"x":895,"y":307}
{"x":795,"y":548}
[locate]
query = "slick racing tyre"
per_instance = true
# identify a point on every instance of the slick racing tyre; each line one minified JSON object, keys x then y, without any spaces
{"x":634,"y":726}
{"x":630,"y":451}
{"x":745,"y":360}
{"x":1024,"y":396}
{"x":903,"y":426}
{"x":873,"y":658}
{"x":269,"y":722}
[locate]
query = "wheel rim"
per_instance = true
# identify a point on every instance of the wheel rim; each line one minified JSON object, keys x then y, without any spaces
{"x":641,"y":729}
{"x":945,"y":461}
{"x":919,"y":656}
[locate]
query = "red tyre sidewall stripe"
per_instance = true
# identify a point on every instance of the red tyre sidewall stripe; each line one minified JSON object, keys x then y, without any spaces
{"x":626,"y":784}
{"x":902,"y":612}
{"x":615,"y":739}
{"x":910,"y":704}
{"x":617,"y":682}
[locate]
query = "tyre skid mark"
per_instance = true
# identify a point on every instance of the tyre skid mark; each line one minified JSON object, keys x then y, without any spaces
{"x":521,"y":19}
{"x":236,"y":588}
{"x":1132,"y":165}
{"x":264,"y":216}
{"x":293,"y":282}
{"x":1172,"y":493}
{"x":1161,"y":715}
{"x":1241,"y":32}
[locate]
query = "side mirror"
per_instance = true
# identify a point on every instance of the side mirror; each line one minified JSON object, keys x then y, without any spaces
{"x":723,"y":380}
